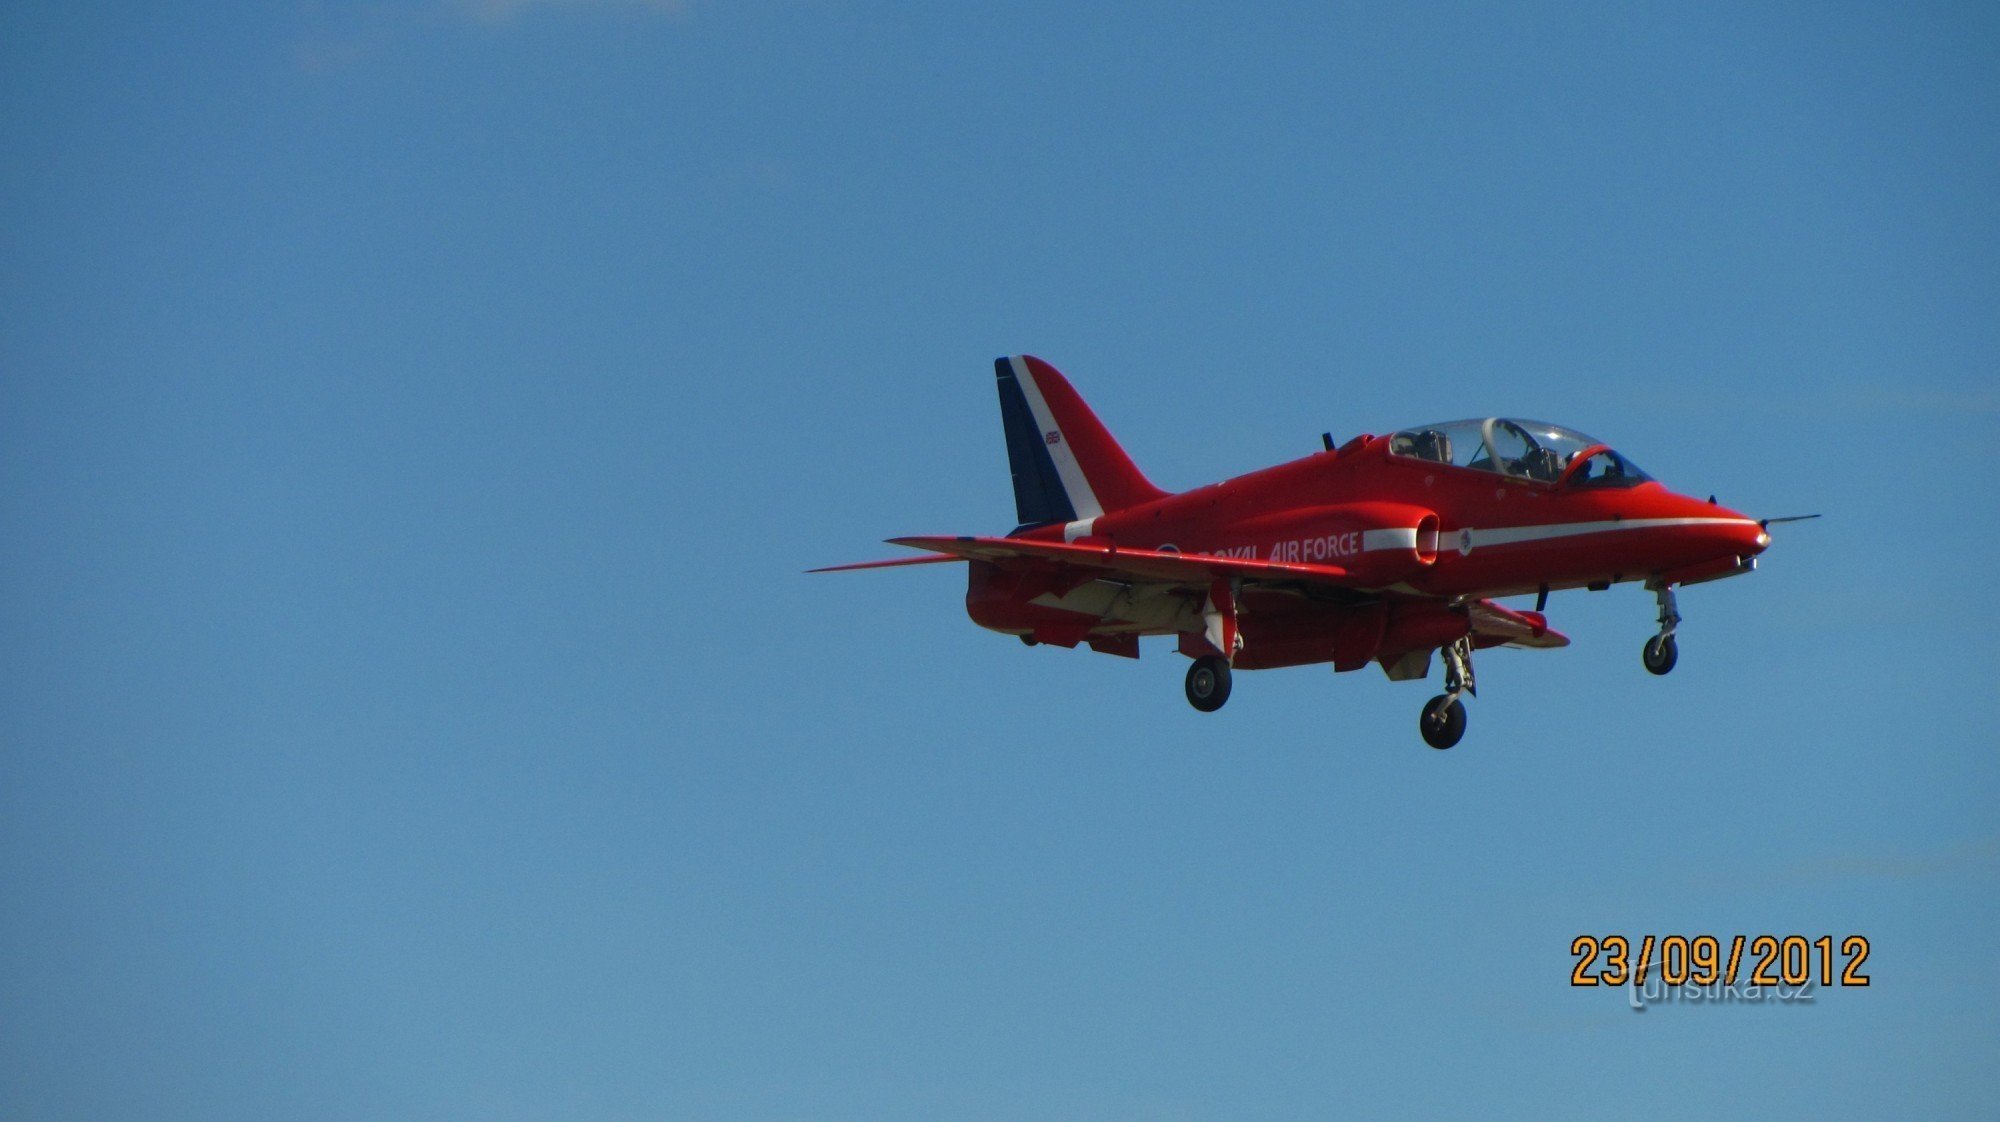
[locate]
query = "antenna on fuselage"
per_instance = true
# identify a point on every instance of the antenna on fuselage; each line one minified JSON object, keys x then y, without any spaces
{"x":1326,"y":438}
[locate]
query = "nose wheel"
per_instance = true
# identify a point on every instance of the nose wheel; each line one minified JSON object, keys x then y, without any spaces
{"x":1208,"y":683}
{"x":1661,"y":651}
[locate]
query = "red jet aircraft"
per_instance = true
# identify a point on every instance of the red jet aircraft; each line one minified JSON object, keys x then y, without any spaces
{"x":1382,"y":550}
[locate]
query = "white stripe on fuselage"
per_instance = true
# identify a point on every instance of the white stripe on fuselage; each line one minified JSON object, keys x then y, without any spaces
{"x":1469,"y":538}
{"x":1463,"y":540}
{"x":1074,"y":483}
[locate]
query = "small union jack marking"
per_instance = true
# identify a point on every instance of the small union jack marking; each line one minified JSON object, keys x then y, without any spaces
{"x":1052,"y":438}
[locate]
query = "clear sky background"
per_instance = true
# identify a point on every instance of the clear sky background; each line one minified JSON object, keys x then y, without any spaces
{"x":415,"y":418}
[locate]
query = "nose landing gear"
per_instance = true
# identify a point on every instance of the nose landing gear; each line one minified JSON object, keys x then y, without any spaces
{"x":1442,"y":722}
{"x":1661,"y":651}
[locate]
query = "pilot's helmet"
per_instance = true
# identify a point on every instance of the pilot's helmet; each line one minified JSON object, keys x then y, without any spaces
{"x":1436,"y":445}
{"x":1541,"y":463}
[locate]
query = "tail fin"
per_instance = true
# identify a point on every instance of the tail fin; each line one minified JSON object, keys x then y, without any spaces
{"x":1067,"y":468}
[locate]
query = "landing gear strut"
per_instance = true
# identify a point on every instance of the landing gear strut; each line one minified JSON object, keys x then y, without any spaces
{"x":1661,"y":651}
{"x":1443,"y":718}
{"x":1208,"y":683}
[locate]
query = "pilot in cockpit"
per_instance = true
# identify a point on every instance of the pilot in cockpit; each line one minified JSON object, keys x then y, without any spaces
{"x":1429,"y":444}
{"x":1541,"y":463}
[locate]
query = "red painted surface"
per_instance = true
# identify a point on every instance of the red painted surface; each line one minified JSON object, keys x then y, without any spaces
{"x":1349,"y":556}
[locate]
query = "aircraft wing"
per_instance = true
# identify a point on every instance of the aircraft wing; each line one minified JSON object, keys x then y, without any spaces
{"x":895,"y":564}
{"x":1141,"y":564}
{"x":1515,"y":629}
{"x":1489,"y":620}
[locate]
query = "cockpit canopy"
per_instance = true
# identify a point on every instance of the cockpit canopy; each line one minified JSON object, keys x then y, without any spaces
{"x":1524,"y":449}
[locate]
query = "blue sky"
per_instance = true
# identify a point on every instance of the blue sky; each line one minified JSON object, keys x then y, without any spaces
{"x":416,"y":417}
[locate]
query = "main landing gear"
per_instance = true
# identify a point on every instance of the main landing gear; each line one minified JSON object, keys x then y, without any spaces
{"x":1208,"y":683}
{"x":1442,"y":723}
{"x":1443,"y":718}
{"x":1661,"y":651}
{"x":1208,"y":678}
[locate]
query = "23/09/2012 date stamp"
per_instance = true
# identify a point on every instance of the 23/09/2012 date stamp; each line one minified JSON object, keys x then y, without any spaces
{"x":1778,"y":962}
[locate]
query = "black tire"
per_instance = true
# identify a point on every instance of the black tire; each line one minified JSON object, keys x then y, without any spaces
{"x":1208,"y":683}
{"x":1442,"y":722}
{"x":1661,"y":653}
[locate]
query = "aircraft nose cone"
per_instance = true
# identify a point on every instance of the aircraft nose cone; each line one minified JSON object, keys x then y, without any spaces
{"x":1711,"y":535}
{"x":1741,"y":534}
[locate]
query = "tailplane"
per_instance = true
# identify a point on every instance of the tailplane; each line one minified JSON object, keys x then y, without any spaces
{"x":1067,"y":468}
